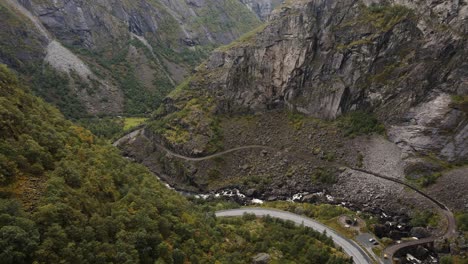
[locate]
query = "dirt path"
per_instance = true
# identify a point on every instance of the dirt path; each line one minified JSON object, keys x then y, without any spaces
{"x":213,"y":155}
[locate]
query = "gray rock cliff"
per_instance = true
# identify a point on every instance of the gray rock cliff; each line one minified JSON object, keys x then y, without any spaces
{"x":403,"y":60}
{"x":128,"y":54}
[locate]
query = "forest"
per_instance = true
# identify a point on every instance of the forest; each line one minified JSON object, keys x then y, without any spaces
{"x":67,"y":196}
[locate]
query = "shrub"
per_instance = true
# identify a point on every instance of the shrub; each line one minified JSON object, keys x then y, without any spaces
{"x":360,"y":123}
{"x":296,"y":120}
{"x":462,"y":221}
{"x":324,"y":176}
{"x":446,"y":260}
{"x":424,"y":219}
{"x":385,"y":17}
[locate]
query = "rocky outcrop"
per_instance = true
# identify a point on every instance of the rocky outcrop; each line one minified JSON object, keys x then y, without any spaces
{"x":62,"y":59}
{"x":453,"y":13}
{"x":433,"y":127}
{"x":261,"y":258}
{"x":262,"y":8}
{"x":326,"y":58}
{"x":93,"y":25}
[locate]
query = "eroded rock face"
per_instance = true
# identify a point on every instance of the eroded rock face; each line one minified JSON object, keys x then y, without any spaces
{"x":92,"y":25}
{"x":262,"y":8}
{"x":326,"y":58}
{"x":433,"y":127}
{"x":452,"y":12}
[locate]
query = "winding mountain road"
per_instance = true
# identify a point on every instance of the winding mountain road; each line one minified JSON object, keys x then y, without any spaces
{"x":450,"y":232}
{"x":213,"y":155}
{"x":451,"y":229}
{"x":349,"y":247}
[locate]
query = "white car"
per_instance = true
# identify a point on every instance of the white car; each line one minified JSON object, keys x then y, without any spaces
{"x":371,"y":240}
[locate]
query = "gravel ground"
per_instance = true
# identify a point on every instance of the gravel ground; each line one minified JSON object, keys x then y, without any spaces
{"x":452,"y":189}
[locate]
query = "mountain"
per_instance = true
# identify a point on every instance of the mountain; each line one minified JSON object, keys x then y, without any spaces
{"x":117,"y":57}
{"x":344,"y":105}
{"x":262,"y":8}
{"x":325,"y":69}
{"x":315,"y":83}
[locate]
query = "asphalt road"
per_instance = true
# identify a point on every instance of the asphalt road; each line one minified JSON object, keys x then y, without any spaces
{"x":451,"y":229}
{"x":348,"y":246}
{"x":363,"y":240}
{"x":391,"y":250}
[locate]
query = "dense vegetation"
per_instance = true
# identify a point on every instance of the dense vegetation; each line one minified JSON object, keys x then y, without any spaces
{"x":282,"y":240}
{"x":68,"y":197}
{"x":105,"y":127}
{"x":462,"y":221}
{"x":194,"y":122}
{"x":424,"y":218}
{"x":111,"y":127}
{"x":360,"y":123}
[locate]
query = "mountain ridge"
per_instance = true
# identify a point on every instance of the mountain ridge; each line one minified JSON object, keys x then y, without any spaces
{"x":124,"y":58}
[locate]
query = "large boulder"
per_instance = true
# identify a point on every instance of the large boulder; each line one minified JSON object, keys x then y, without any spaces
{"x":261,"y":258}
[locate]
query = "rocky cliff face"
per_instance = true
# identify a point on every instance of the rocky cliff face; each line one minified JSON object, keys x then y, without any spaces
{"x":327,"y":58}
{"x":125,"y":56}
{"x":262,"y":8}
{"x":94,"y":25}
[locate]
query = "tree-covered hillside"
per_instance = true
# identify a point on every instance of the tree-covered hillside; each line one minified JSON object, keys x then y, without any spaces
{"x":67,"y":197}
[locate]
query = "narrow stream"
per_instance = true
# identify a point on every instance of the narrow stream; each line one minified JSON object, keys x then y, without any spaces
{"x":242,"y":198}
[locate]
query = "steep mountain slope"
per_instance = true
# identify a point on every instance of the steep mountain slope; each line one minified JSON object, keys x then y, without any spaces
{"x":262,"y":8}
{"x":120,"y":56}
{"x":87,"y":204}
{"x":309,"y":59}
{"x":313,"y":84}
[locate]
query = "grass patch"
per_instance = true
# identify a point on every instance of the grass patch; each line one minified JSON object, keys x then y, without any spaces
{"x":333,"y":223}
{"x":132,"y":122}
{"x":426,"y":180}
{"x":325,"y":213}
{"x":359,"y":42}
{"x":321,"y":212}
{"x":460,"y":102}
{"x":385,"y":17}
{"x":296,"y":120}
{"x":247,"y":38}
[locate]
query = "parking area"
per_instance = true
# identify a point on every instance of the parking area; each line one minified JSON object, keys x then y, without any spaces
{"x":367,"y":240}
